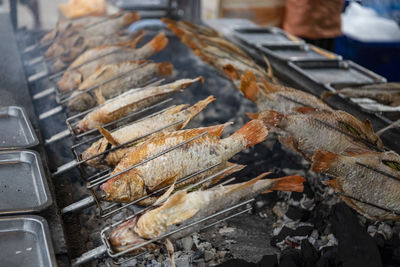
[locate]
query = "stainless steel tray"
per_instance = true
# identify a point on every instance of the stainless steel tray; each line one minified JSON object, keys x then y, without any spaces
{"x":25,"y":241}
{"x":301,"y":52}
{"x":266,"y":36}
{"x":16,"y":129}
{"x":336,"y":73}
{"x":23,"y":187}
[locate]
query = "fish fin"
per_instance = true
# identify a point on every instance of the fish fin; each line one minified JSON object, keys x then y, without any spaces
{"x":249,"y":86}
{"x":270,"y":71}
{"x":130,"y":18}
{"x":354,"y":151}
{"x":176,"y":199}
{"x":99,"y":96}
{"x":173,"y":28}
{"x":368,"y":125}
{"x":197,"y":108}
{"x":188,"y":40}
{"x":270,"y":118}
{"x":334,"y":183}
{"x":170,"y":249}
{"x":159,"y":42}
{"x":305,"y":110}
{"x":229,"y":172}
{"x":165,"y":182}
{"x":217,"y":129}
{"x":249,"y":183}
{"x":107,"y":135}
{"x":231,"y":72}
{"x":165,"y":68}
{"x":254,"y":132}
{"x":323,"y":160}
{"x":134,"y":42}
{"x":290,"y":143}
{"x":327,"y":94}
{"x":175,"y":109}
{"x":166,"y":194}
{"x":292,"y":183}
{"x":253,"y":116}
{"x":270,"y":87}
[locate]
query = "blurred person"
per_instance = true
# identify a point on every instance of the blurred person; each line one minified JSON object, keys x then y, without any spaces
{"x":316,"y":21}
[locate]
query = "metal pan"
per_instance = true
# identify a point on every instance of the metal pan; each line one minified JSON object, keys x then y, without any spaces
{"x":25,"y":241}
{"x":23,"y":187}
{"x":337,"y":73}
{"x":266,"y":36}
{"x":16,"y":129}
{"x":301,"y":52}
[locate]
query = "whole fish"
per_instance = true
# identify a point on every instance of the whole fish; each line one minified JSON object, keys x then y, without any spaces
{"x":109,"y":27}
{"x":308,"y":133}
{"x":130,"y":101}
{"x":186,"y":208}
{"x":269,"y":96}
{"x":91,"y":59}
{"x":384,"y":93}
{"x":183,"y":27}
{"x":80,"y":44}
{"x":139,"y":73}
{"x":198,"y":154}
{"x":363,"y":183}
{"x":176,"y":114}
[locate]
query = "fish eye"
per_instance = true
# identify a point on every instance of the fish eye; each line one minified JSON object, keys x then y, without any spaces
{"x":392,"y":164}
{"x":349,"y":128}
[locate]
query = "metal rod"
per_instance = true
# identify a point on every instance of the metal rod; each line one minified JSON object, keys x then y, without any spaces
{"x":379,"y":171}
{"x":294,"y":101}
{"x":50,"y":112}
{"x":369,"y":203}
{"x":81,"y":92}
{"x":57,"y":136}
{"x":107,"y":177}
{"x":178,"y":182}
{"x":81,"y":204}
{"x":89,"y":256}
{"x":113,"y":255}
{"x":362,"y":140}
{"x":390,"y":126}
{"x":44,"y":93}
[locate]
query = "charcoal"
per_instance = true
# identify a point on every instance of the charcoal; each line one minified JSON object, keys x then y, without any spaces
{"x":290,"y":258}
{"x":302,"y":231}
{"x":356,"y":247}
{"x":237,"y":263}
{"x":282,"y":235}
{"x":296,"y":213}
{"x":308,"y":253}
{"x":328,"y":257}
{"x":268,"y":261}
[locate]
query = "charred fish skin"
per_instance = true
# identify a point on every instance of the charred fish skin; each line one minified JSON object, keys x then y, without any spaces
{"x":184,"y":208}
{"x":130,"y":101}
{"x":198,"y":154}
{"x":365,"y":184}
{"x":137,"y":129}
{"x":282,"y":99}
{"x":72,"y":78}
{"x":138,"y":78}
{"x":307,"y":133}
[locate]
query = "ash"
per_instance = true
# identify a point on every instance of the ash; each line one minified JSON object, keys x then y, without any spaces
{"x":312,"y":228}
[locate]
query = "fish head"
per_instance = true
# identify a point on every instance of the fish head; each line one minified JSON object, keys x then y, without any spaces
{"x":125,"y":237}
{"x":70,"y":81}
{"x":125,"y":187}
{"x":96,"y":148}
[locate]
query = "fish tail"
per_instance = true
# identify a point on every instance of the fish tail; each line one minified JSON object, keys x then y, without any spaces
{"x":327,"y":94}
{"x":165,"y":68}
{"x":271,"y":118}
{"x":197,"y":108}
{"x":130,"y":18}
{"x":248,"y":85}
{"x":323,"y":160}
{"x":138,"y":37}
{"x":231,"y":72}
{"x":217,"y":129}
{"x":292,"y":183}
{"x":159,"y":42}
{"x":187,"y":40}
{"x":254,"y":132}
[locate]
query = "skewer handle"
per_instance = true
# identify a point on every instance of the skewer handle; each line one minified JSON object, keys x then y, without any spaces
{"x":89,"y":256}
{"x":79,"y":205}
{"x":64,"y":168}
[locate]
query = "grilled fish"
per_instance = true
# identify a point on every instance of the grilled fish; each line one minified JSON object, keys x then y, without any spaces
{"x":185,"y":208}
{"x":384,"y":93}
{"x":198,"y":154}
{"x":335,"y":131}
{"x":90,"y":60}
{"x":112,"y":26}
{"x":364,"y":183}
{"x":277,"y":97}
{"x":176,"y":114}
{"x":80,"y":44}
{"x":138,"y":74}
{"x":130,"y":101}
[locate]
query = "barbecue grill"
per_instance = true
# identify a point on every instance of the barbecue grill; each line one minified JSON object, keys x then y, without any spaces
{"x":79,"y":220}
